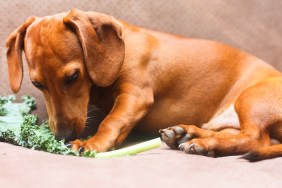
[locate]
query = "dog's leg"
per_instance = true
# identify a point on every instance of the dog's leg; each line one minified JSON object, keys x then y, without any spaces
{"x":258,"y":110}
{"x":231,"y":145}
{"x":226,"y":122}
{"x":127,"y":110}
{"x":266,"y":152}
{"x":194,"y":140}
{"x":178,"y":135}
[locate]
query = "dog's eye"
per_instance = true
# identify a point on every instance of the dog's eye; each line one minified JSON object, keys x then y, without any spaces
{"x":70,"y":79}
{"x":38,"y":85}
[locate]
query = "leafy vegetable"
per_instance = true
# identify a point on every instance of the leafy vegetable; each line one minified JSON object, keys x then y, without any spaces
{"x":18,"y":126}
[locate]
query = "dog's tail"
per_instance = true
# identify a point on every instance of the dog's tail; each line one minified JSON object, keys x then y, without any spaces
{"x":266,"y":152}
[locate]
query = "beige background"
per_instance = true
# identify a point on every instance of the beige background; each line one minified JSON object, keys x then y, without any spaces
{"x":252,"y":25}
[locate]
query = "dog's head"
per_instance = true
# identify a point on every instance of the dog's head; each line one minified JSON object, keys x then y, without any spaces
{"x":66,"y":54}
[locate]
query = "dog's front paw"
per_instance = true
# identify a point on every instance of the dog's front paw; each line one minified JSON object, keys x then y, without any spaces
{"x":92,"y":144}
{"x":174,"y":136}
{"x":81,"y":146}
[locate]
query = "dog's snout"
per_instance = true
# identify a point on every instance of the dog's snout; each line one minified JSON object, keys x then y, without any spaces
{"x":63,"y":130}
{"x":66,"y":135}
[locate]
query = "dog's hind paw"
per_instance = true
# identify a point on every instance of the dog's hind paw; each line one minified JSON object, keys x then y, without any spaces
{"x":174,"y":136}
{"x":252,"y":156}
{"x":195,"y":148}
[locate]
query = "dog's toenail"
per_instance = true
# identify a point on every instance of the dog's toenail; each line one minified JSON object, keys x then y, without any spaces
{"x":81,"y":150}
{"x":69,"y":145}
{"x":191,"y":149}
{"x":191,"y":145}
{"x":181,"y":147}
{"x":161,"y":131}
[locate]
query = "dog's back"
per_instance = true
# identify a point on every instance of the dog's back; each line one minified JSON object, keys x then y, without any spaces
{"x":149,"y":79}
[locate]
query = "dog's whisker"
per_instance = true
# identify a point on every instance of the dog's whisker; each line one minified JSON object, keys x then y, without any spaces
{"x":89,"y":118}
{"x":91,"y":109}
{"x":87,"y":126}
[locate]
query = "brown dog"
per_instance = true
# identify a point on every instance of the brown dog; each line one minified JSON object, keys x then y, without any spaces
{"x":231,"y":101}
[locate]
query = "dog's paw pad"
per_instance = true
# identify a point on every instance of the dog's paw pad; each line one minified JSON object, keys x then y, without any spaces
{"x":179,"y":130}
{"x":196,"y":149}
{"x":169,"y":133}
{"x":184,"y":139}
{"x":173,"y":136}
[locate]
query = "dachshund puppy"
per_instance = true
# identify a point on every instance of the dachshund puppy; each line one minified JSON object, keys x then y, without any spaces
{"x":221,"y":100}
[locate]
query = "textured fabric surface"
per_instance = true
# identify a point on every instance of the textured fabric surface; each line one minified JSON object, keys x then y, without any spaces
{"x":252,"y":25}
{"x":156,"y":168}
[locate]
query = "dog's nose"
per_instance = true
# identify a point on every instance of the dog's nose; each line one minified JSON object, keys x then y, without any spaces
{"x":65,"y":135}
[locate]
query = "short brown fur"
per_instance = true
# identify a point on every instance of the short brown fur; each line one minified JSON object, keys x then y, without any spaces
{"x":231,"y":101}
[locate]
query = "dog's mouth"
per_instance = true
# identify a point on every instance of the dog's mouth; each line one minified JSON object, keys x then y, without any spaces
{"x":72,"y":136}
{"x":65,"y":129}
{"x":81,"y":128}
{"x":94,"y":117}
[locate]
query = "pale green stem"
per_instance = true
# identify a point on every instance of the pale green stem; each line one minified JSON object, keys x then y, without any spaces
{"x":131,"y":150}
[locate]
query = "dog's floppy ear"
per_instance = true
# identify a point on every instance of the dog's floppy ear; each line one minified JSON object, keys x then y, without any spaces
{"x":101,"y":38}
{"x":14,"y":45}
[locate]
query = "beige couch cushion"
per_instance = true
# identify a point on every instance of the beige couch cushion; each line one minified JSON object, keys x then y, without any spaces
{"x":252,"y":25}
